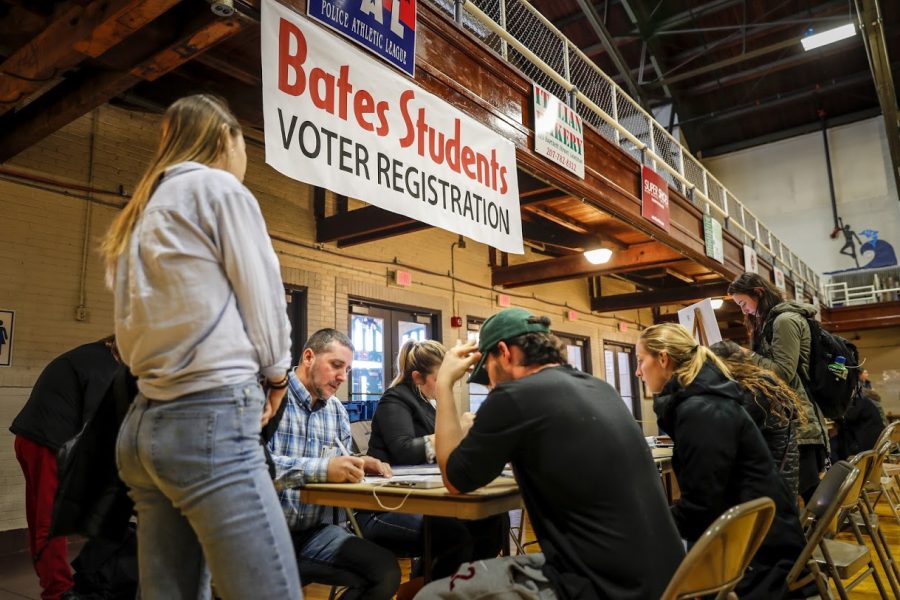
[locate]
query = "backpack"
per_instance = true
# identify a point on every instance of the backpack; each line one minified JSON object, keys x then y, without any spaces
{"x":830,"y":392}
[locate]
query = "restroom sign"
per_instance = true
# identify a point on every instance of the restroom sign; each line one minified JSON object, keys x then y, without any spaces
{"x":7,"y":322}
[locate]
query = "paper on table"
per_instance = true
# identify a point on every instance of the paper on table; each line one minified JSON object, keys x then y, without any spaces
{"x":416,"y":470}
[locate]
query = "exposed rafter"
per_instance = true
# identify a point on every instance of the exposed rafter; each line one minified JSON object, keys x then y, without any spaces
{"x":658,"y":297}
{"x":77,"y":32}
{"x":84,"y":92}
{"x":640,"y":256}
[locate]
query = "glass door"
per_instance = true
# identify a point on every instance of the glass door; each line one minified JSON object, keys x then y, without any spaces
{"x":620,"y":365}
{"x":377,"y":333}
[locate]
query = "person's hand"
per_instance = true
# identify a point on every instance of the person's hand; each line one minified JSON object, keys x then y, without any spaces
{"x":273,"y":402}
{"x":373,"y":466}
{"x":458,"y":360}
{"x":345,"y":469}
{"x":466,"y":421}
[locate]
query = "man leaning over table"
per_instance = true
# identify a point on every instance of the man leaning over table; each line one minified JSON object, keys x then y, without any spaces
{"x":585,"y":472}
{"x":305,"y":449}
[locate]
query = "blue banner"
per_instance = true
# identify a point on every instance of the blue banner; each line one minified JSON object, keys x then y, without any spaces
{"x":385,"y":27}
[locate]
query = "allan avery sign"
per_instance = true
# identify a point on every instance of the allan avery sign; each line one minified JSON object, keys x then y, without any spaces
{"x":558,"y":131}
{"x":337,"y":119}
{"x":654,"y":197}
{"x":386,"y":27}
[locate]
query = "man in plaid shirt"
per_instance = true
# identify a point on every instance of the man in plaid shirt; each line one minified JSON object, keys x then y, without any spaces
{"x":306,"y":448}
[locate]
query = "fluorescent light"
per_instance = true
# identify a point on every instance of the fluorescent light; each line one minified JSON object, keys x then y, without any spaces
{"x":717,"y":303}
{"x":828,"y":37}
{"x":599,"y":256}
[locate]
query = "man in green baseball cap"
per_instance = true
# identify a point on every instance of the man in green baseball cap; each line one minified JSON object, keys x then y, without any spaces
{"x":505,"y":325}
{"x":586,"y":475}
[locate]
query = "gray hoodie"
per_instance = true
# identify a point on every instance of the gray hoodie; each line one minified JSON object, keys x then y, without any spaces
{"x":198,"y":291}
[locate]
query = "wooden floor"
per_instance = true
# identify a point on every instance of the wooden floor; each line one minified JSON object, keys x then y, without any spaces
{"x":866,"y":590}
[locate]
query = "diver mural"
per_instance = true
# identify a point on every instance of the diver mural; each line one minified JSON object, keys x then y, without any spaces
{"x":879,"y":253}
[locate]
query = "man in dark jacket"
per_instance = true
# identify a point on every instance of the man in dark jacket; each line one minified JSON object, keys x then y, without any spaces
{"x":63,"y":399}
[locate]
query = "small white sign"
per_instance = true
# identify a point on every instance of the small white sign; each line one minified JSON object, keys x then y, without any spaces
{"x":558,"y":131}
{"x":707,"y":331}
{"x":751,"y":263}
{"x":798,"y":290}
{"x":779,"y":279}
{"x":7,"y":323}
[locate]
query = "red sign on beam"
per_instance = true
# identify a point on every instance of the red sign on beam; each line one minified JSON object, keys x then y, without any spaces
{"x":654,"y":197}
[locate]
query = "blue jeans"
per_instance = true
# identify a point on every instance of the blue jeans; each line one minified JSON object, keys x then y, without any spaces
{"x":197,"y":474}
{"x":332,"y":555}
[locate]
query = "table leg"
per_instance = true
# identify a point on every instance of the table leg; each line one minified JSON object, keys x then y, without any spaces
{"x":426,"y":552}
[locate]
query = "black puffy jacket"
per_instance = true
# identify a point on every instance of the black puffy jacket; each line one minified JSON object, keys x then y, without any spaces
{"x":721,"y":460}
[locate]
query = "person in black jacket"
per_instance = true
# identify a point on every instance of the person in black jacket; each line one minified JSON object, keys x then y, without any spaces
{"x":772,"y":405}
{"x":64,"y":398}
{"x":403,"y":434}
{"x":720,"y":458}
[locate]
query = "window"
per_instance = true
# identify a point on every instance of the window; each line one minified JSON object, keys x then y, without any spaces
{"x":578,"y":350}
{"x":296,"y":308}
{"x":377,"y":332}
{"x":619,"y":361}
{"x":477,"y":393}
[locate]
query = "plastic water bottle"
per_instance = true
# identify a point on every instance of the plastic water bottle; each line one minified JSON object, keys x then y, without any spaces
{"x":839,"y":367}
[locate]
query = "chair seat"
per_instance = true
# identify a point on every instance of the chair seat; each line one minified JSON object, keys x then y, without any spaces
{"x":849,"y":559}
{"x":890,"y":469}
{"x":858,"y":519}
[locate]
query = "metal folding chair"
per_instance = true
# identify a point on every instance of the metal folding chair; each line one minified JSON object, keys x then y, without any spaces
{"x":716,"y":563}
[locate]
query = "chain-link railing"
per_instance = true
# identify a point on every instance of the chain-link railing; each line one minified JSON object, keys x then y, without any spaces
{"x":521,"y":35}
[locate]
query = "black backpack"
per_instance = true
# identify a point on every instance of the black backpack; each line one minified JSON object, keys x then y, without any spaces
{"x":833,"y":394}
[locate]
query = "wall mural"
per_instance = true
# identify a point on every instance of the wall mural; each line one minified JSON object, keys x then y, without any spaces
{"x":878,"y":252}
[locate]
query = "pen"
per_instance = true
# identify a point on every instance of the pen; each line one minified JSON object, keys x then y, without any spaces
{"x":342,"y":447}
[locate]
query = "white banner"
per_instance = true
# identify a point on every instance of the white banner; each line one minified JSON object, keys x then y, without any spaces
{"x":336,"y":118}
{"x":751,"y":262}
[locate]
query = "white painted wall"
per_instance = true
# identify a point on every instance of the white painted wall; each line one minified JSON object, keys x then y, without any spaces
{"x":785,"y":184}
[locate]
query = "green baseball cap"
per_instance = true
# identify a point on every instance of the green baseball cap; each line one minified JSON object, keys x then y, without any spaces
{"x":505,"y":325}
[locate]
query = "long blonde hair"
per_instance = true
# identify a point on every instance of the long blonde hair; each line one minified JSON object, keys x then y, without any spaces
{"x":424,"y":357}
{"x":193,"y":128}
{"x":683,"y":350}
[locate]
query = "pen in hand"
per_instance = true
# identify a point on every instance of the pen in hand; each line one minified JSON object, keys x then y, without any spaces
{"x":345,"y":468}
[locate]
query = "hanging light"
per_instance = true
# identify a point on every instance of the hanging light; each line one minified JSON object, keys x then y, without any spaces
{"x":830,"y":36}
{"x":598,"y":256}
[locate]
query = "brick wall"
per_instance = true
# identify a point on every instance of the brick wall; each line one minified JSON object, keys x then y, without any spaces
{"x":44,"y":229}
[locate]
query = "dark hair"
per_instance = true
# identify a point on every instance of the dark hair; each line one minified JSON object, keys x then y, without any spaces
{"x":323,"y":338}
{"x":538,"y":348}
{"x":766,"y":295}
{"x":784,"y":404}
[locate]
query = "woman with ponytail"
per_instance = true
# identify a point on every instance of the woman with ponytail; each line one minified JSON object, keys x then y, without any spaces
{"x":720,"y":458}
{"x":200,"y":317}
{"x":403,"y":434}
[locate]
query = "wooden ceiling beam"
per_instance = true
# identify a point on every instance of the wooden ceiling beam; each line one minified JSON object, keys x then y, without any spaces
{"x":557,"y":217}
{"x":74,"y":33}
{"x":361,"y":222}
{"x":639,"y":256}
{"x":658,"y":297}
{"x":79,"y":95}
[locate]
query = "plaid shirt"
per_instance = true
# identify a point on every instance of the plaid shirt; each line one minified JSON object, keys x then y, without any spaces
{"x":301,"y":449}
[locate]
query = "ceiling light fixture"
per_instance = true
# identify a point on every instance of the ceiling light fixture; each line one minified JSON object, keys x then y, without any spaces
{"x":717,"y":303}
{"x":598,"y":256}
{"x":830,"y":36}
